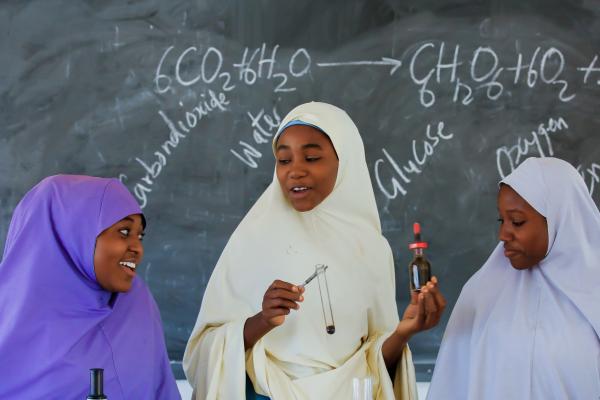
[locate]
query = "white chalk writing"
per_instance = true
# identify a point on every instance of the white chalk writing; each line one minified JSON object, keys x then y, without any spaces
{"x":538,"y":143}
{"x":250,"y":74}
{"x":590,"y":175}
{"x":439,"y":70}
{"x":193,"y":66}
{"x":429,"y":66}
{"x":177,"y":132}
{"x":385,"y":61}
{"x":421,"y":151}
{"x":263,"y":127}
{"x":210,"y":70}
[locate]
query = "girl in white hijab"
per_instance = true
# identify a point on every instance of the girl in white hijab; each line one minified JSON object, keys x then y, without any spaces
{"x":527,"y":324}
{"x":319,"y":209}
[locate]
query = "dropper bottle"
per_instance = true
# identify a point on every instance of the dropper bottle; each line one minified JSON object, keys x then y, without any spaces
{"x":419,"y":269}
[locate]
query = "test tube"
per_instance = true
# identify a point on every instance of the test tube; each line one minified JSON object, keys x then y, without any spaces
{"x":325,"y":298}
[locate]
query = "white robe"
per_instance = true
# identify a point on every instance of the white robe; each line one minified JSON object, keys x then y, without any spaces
{"x":299,"y":360}
{"x":531,"y":334}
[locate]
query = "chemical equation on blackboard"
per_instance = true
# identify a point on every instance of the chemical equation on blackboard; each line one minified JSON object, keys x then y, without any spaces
{"x":471,"y":73}
{"x":433,"y":68}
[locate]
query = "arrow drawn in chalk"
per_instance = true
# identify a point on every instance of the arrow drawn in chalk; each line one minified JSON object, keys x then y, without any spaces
{"x":385,"y":61}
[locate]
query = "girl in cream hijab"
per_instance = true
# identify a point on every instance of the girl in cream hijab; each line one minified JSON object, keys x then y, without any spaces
{"x":256,"y":318}
{"x":527,"y":324}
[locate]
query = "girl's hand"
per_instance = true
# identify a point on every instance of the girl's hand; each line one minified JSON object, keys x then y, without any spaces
{"x":424,"y":311}
{"x":279,"y":299}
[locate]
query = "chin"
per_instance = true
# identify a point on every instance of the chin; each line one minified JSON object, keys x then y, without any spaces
{"x":520,"y":265}
{"x":123,"y":287}
{"x":302,"y":207}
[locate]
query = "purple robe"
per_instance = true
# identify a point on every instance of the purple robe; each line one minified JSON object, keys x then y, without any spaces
{"x":56,"y":321}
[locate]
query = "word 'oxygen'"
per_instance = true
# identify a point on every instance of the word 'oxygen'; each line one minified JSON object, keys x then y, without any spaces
{"x":508,"y":158}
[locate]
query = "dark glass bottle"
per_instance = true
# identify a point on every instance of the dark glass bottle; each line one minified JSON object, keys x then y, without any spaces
{"x":419,"y":269}
{"x":96,"y":384}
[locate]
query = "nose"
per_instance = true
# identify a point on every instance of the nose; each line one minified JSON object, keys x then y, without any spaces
{"x":136,"y":247}
{"x":504,"y":233}
{"x":297,"y":170}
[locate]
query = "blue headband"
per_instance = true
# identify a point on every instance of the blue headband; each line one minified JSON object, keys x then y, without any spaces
{"x":298,"y":122}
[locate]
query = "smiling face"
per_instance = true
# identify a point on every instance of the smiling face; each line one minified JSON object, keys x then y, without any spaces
{"x":307,"y":166}
{"x":118,"y":252}
{"x":523,"y":230}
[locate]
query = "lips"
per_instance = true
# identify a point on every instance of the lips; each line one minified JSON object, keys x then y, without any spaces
{"x":510,"y":253}
{"x":299,"y":191}
{"x":128,"y":264}
{"x":129,"y":268}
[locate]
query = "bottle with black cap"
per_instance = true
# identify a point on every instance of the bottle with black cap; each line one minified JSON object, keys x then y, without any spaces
{"x":96,"y":384}
{"x":419,"y":269}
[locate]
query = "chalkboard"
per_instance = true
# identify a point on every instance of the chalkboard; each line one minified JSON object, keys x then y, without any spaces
{"x":179,"y":99}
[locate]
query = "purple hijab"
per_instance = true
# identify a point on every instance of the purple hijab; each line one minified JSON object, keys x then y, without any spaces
{"x":56,"y":321}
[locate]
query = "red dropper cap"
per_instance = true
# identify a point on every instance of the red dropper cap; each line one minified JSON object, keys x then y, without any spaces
{"x":418,"y":243}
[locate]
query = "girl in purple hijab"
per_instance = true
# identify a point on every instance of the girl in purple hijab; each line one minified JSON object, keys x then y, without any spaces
{"x":70,"y":300}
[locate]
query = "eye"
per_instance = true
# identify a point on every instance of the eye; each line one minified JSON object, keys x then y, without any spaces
{"x":500,"y":220}
{"x":518,"y":223}
{"x":141,"y":236}
{"x":124,"y":232}
{"x":283,"y":161}
{"x":312,"y":158}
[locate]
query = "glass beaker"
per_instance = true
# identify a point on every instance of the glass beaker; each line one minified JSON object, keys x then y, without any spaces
{"x":362,"y":388}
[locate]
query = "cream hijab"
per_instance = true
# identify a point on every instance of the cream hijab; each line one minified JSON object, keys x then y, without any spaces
{"x":299,"y":360}
{"x":531,"y":334}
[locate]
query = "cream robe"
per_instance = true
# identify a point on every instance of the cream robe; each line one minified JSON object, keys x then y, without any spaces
{"x":299,"y":360}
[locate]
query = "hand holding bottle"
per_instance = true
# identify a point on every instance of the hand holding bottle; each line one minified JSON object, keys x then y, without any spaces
{"x":424,"y":311}
{"x":426,"y":301}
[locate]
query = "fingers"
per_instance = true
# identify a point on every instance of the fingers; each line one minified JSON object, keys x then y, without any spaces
{"x":430,"y":309}
{"x":414,"y":297}
{"x":279,"y":299}
{"x":270,"y":313}
{"x":439,"y":298}
{"x":279,"y":284}
{"x":434,"y":304}
{"x":421,"y":312}
{"x":284,"y":290}
{"x":283,"y":294}
{"x":282,"y":302}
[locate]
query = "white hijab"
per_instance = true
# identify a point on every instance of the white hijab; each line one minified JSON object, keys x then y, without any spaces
{"x":299,"y":360}
{"x":531,"y":334}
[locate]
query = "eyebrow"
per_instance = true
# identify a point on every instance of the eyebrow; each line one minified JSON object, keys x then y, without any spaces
{"x":512,"y":210}
{"x":304,"y":146}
